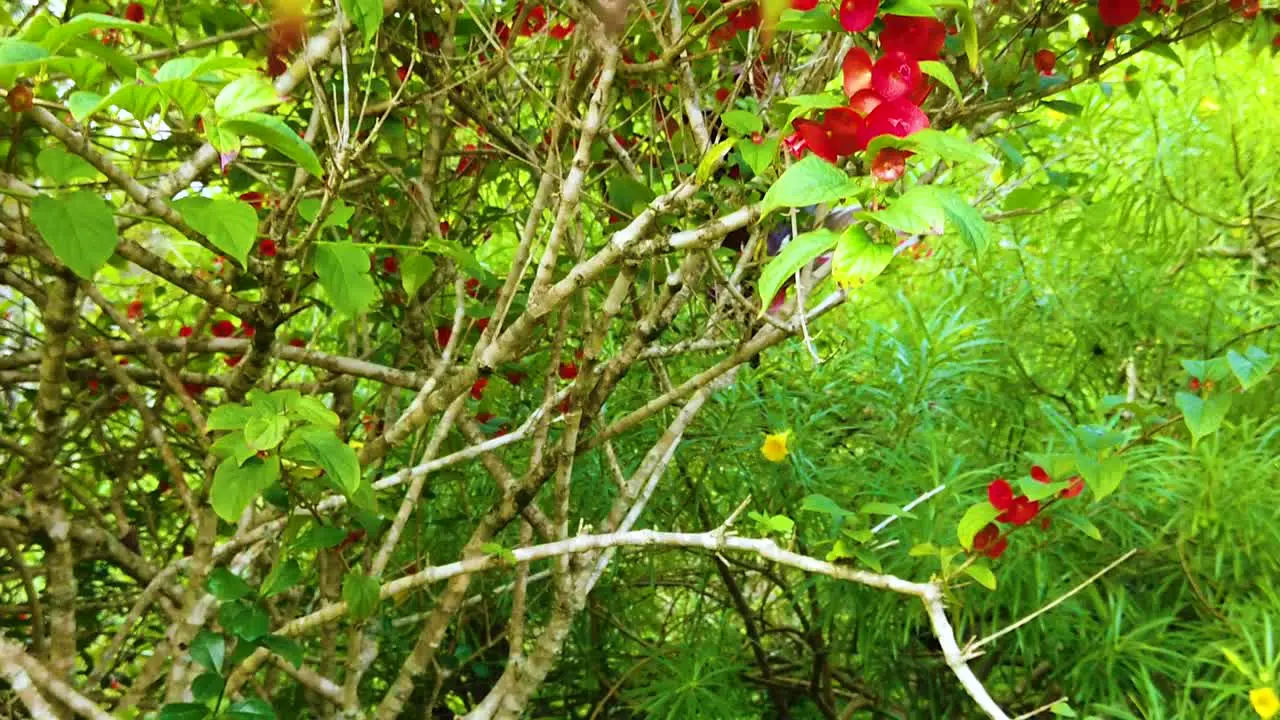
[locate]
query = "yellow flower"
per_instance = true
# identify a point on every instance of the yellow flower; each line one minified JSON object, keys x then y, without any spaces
{"x":774,"y":448}
{"x":1265,"y":702}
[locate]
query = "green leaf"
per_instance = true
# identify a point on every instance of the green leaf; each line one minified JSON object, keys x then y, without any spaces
{"x":823,"y":504}
{"x":209,"y":650}
{"x":1102,"y":477}
{"x":940,"y":72}
{"x":1084,"y":526}
{"x":344,"y":275}
{"x":244,"y":620}
{"x":62,"y":167}
{"x":1062,"y":709}
{"x":236,"y":486}
{"x":709,"y":162}
{"x":187,"y":95}
{"x":808,"y":182}
{"x":914,"y":8}
{"x":361,"y":594}
{"x":629,"y":195}
{"x":808,"y":21}
{"x":282,"y":577}
{"x":780,"y":524}
{"x":415,"y":270}
{"x":251,"y":709}
{"x":980,"y":572}
{"x":285,"y":648}
{"x":949,"y":147}
{"x":79,"y":228}
{"x":264,"y":431}
{"x":272,"y":131}
{"x":365,"y":15}
{"x":311,"y":410}
{"x":81,"y":25}
{"x":1203,"y":416}
{"x":918,"y":210}
{"x":858,"y":260}
{"x":16,"y":52}
{"x":969,"y":33}
{"x":120,"y":64}
{"x":339,"y":212}
{"x":883,"y":508}
{"x":207,"y":686}
{"x":742,"y":122}
{"x":321,"y":537}
{"x":226,"y":585}
{"x":229,"y":417}
{"x":233,"y":446}
{"x":232,"y":226}
{"x":1064,"y":107}
{"x":966,"y":220}
{"x":759,"y":156}
{"x":974,"y":519}
{"x":1251,"y":367}
{"x":183,"y":711}
{"x":923,"y":550}
{"x":797,"y":253}
{"x":1215,"y":369}
{"x":83,"y":104}
{"x":245,"y":94}
{"x":868,"y":559}
{"x":336,"y":457}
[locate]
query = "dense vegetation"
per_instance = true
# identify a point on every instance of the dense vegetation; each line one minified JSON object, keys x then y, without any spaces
{"x":622,"y":359}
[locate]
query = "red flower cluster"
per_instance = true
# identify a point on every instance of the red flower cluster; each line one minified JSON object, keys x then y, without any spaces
{"x":743,"y":20}
{"x":1016,"y":510}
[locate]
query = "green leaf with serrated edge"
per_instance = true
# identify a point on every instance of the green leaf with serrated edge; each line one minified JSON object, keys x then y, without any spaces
{"x":1251,"y":367}
{"x":742,"y":122}
{"x":264,"y":432}
{"x":207,"y":686}
{"x":321,"y":537}
{"x":282,"y":577}
{"x":209,"y":650}
{"x":63,"y":167}
{"x":344,"y":274}
{"x":797,"y":253}
{"x":284,"y":647}
{"x":365,"y":15}
{"x":415,"y":270}
{"x":84,"y":24}
{"x":923,"y":550}
{"x":1203,"y":416}
{"x":272,"y":131}
{"x":236,"y":486}
{"x":187,"y":95}
{"x":312,"y":411}
{"x":980,"y":572}
{"x":231,"y":225}
{"x":942,"y":74}
{"x":709,"y":162}
{"x":361,"y":594}
{"x":758,"y":156}
{"x":857,"y":260}
{"x":823,"y":504}
{"x":79,"y":228}
{"x":974,"y":519}
{"x":245,"y":94}
{"x":336,"y":457}
{"x":183,"y":711}
{"x":226,"y":586}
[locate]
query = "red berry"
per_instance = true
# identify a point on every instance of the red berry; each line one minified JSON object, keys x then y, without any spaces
{"x":1045,"y":61}
{"x":722,"y":95}
{"x":390,"y":264}
{"x":21,"y":98}
{"x":267,"y":247}
{"x":135,"y":13}
{"x":565,"y":405}
{"x":185,"y":331}
{"x":223,"y":328}
{"x":568,"y":371}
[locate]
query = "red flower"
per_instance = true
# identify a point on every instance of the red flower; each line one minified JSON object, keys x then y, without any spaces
{"x":443,"y":334}
{"x":232,"y":360}
{"x":1000,"y":494}
{"x":276,"y":66}
{"x":483,"y":324}
{"x":1076,"y":487}
{"x":502,"y":32}
{"x":856,"y":68}
{"x":390,"y":264}
{"x":431,"y":40}
{"x":267,"y":247}
{"x":402,"y":73}
{"x":920,"y":37}
{"x":565,"y":405}
{"x":568,"y":371}
{"x":1045,"y":61}
{"x":1194,"y":384}
{"x":297,"y":342}
{"x":466,"y":162}
{"x":223,"y":328}
{"x":989,"y":543}
{"x":889,"y":164}
{"x":484,"y":417}
{"x":1119,"y":12}
{"x":247,"y":330}
{"x":898,"y":118}
{"x":1020,"y":512}
{"x":444,"y":227}
{"x":895,"y":75}
{"x":477,"y":388}
{"x":473,"y":286}
{"x":842,"y":125}
{"x":562,"y":31}
{"x":722,"y":95}
{"x":135,"y":13}
{"x":1039,"y":475}
{"x":814,"y":137}
{"x":804,"y":5}
{"x":185,"y":331}
{"x":857,"y":15}
{"x":20,"y":98}
{"x":135,"y":310}
{"x":253,"y":198}
{"x":865,"y":100}
{"x":747,"y":19}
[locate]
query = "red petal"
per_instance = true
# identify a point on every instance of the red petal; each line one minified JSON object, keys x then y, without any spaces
{"x":1039,"y":475}
{"x":898,"y":118}
{"x":865,"y":100}
{"x":1022,"y":512}
{"x":986,"y":536}
{"x":804,"y":5}
{"x":856,"y":68}
{"x":1045,"y":61}
{"x":794,"y":143}
{"x":842,"y":125}
{"x":920,"y":37}
{"x":895,"y":75}
{"x":816,"y":138}
{"x":1119,"y":12}
{"x":889,"y":164}
{"x":857,"y":15}
{"x":921,"y":92}
{"x":1000,"y":494}
{"x":1077,"y":487}
{"x":998,"y":549}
